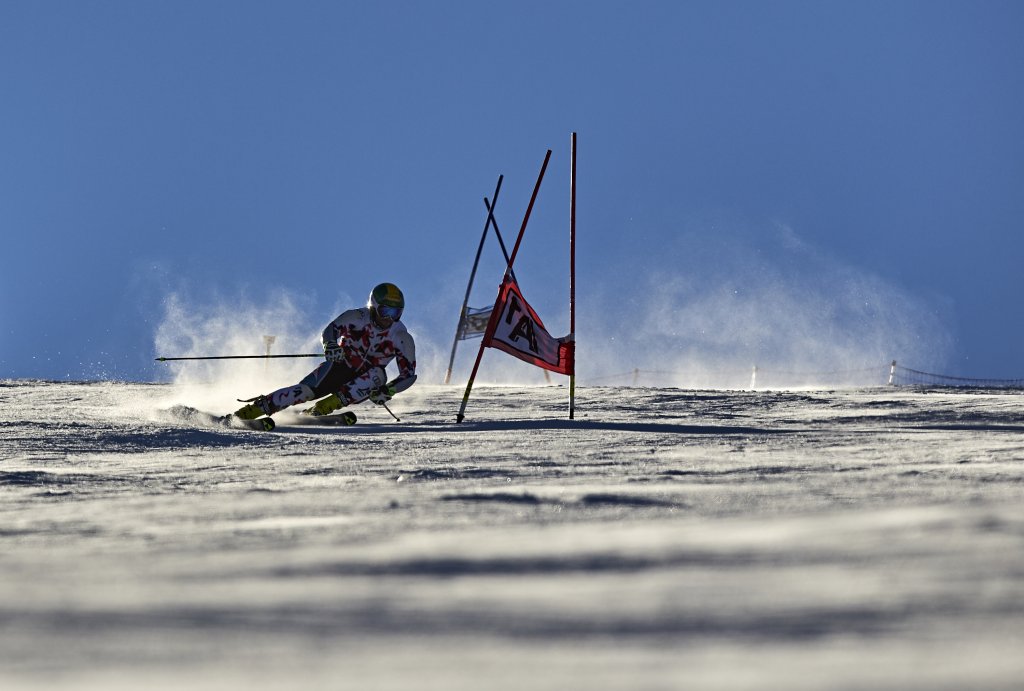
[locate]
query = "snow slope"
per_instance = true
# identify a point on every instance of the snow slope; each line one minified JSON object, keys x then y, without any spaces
{"x":666,"y":538}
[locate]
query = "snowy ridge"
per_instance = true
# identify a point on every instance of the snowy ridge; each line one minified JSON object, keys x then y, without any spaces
{"x":888,"y":374}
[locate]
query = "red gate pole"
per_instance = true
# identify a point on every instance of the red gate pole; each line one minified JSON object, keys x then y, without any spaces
{"x":496,"y":312}
{"x":572,"y":276}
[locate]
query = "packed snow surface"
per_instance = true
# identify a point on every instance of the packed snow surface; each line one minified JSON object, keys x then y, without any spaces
{"x":665,"y":538}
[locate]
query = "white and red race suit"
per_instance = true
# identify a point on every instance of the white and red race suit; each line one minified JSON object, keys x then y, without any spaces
{"x":367,"y":345}
{"x":367,"y":349}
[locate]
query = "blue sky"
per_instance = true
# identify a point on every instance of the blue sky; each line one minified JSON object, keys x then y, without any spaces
{"x":747,"y":170}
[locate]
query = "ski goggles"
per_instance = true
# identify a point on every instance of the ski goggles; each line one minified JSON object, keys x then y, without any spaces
{"x":387,"y":312}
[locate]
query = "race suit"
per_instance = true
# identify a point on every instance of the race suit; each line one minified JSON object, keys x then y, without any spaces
{"x":367,"y":349}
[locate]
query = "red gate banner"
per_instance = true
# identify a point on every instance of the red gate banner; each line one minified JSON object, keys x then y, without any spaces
{"x":516,"y":329}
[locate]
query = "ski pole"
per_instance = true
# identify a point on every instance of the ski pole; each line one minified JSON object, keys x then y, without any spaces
{"x":237,"y":357}
{"x":397,"y":419}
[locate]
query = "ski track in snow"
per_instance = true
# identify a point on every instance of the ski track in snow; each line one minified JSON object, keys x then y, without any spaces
{"x":666,"y":538}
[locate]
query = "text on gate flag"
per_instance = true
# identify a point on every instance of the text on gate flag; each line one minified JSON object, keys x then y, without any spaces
{"x":515,"y":328}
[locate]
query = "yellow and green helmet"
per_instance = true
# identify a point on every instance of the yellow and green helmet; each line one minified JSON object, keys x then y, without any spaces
{"x":387,"y":301}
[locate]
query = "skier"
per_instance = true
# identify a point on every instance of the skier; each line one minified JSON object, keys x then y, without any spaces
{"x":358,"y":345}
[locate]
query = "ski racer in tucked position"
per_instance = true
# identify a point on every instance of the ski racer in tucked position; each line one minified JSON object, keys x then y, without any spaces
{"x":358,"y":345}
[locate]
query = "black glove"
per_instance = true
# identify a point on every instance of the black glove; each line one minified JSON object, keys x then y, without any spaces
{"x":333,"y":352}
{"x":382,"y":395}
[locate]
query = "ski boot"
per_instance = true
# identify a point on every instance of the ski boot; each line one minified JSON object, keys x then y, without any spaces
{"x":325,"y":406}
{"x":257,"y":407}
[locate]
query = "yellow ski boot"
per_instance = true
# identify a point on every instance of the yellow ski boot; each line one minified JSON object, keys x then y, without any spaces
{"x":325,"y":406}
{"x":256,"y":408}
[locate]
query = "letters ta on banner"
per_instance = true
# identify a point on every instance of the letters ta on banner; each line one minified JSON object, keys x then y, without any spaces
{"x":515,"y":328}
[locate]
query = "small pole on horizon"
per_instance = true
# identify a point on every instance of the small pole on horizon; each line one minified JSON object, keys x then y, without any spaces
{"x":269,"y":341}
{"x":572,"y":274}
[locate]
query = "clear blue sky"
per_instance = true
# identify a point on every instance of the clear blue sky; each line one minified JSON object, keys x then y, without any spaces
{"x":856,"y":161}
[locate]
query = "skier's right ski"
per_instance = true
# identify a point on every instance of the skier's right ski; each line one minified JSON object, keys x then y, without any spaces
{"x":345,"y":418}
{"x":193,"y":415}
{"x":262,"y":424}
